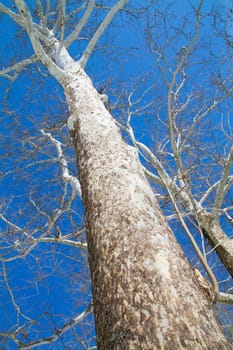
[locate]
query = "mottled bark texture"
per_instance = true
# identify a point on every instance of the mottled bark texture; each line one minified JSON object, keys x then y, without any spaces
{"x":145,"y":293}
{"x":217,"y":238}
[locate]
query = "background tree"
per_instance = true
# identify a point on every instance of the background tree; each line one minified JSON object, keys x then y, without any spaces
{"x":177,"y":160}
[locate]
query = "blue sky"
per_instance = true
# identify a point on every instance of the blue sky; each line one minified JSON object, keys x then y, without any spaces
{"x":51,"y":284}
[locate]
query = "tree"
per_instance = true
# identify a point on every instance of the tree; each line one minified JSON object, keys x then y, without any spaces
{"x":207,"y":220}
{"x":145,"y":293}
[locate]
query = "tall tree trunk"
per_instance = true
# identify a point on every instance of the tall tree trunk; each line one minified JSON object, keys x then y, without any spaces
{"x":145,"y":293}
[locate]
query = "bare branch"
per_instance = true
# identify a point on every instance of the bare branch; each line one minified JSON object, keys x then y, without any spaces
{"x":202,"y":259}
{"x":64,"y":166}
{"x":222,"y":184}
{"x":172,"y":97}
{"x":34,"y":37}
{"x":165,"y":179}
{"x":23,"y":251}
{"x":17,"y":67}
{"x":74,"y":35}
{"x":17,"y":18}
{"x":61,"y":20}
{"x":59,"y":331}
{"x":63,"y":240}
{"x":225,"y":298}
{"x":17,"y":308}
{"x":104,"y":24}
{"x":76,"y":10}
{"x":201,"y":115}
{"x":40,"y":12}
{"x":213,"y":187}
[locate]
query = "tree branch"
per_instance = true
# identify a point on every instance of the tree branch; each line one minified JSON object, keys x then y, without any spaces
{"x":17,"y":18}
{"x":59,"y":331}
{"x":171,"y":102}
{"x":222,"y":184}
{"x":34,"y":38}
{"x":17,"y":308}
{"x":17,"y":67}
{"x":225,"y":298}
{"x":74,"y":35}
{"x":64,"y":165}
{"x":104,"y":24}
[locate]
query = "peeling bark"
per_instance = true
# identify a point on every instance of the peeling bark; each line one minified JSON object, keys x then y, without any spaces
{"x":144,"y":290}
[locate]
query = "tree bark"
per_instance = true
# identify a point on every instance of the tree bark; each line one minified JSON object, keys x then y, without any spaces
{"x":144,"y":290}
{"x":217,"y":238}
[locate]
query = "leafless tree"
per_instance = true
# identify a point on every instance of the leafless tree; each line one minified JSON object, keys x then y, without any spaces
{"x":145,"y":293}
